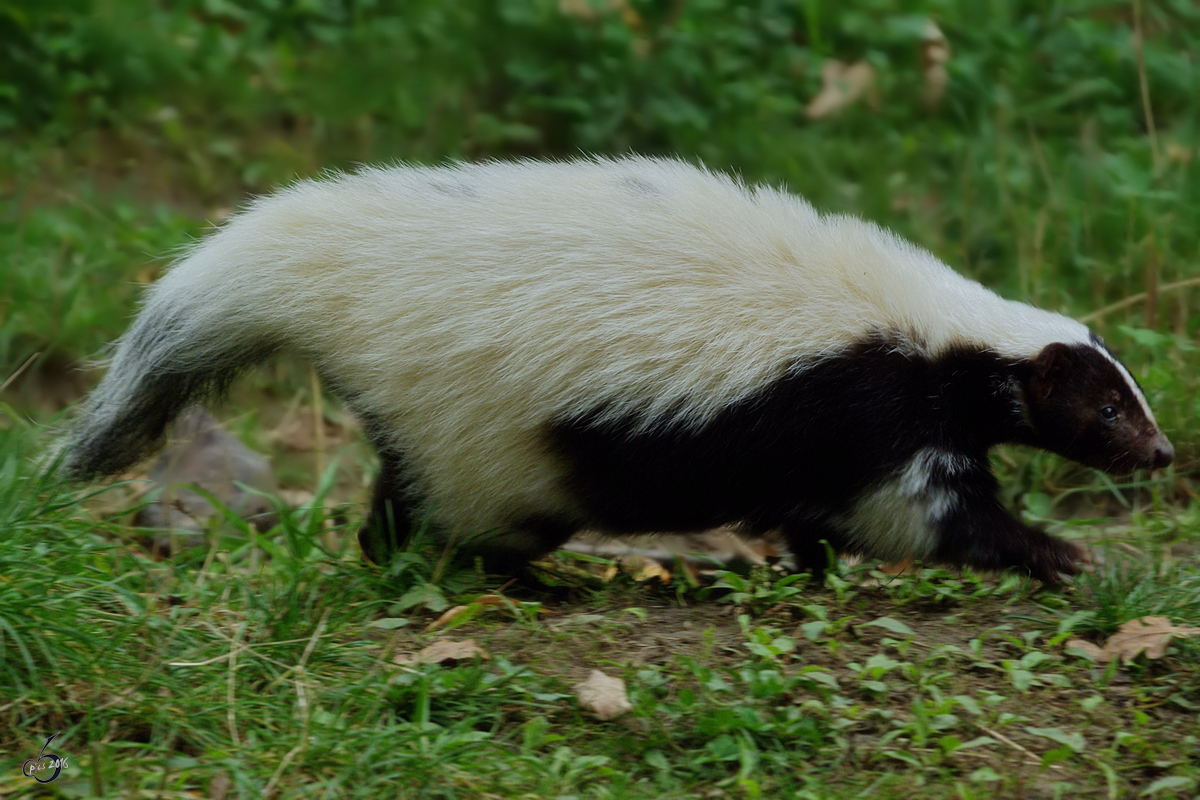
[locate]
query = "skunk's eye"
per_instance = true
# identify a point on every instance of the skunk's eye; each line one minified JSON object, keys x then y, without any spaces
{"x":1109,"y":412}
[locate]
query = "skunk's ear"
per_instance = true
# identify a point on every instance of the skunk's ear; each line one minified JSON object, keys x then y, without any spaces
{"x":1049,"y":365}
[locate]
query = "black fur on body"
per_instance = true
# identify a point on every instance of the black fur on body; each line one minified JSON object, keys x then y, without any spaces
{"x":800,"y":454}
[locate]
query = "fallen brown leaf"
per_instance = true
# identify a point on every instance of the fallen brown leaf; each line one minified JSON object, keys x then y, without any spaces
{"x":896,"y":567}
{"x":296,"y":432}
{"x":580,"y":9}
{"x":1149,"y":634}
{"x":295,"y":498}
{"x":443,"y":651}
{"x":482,"y":600}
{"x":842,"y":85}
{"x":446,"y":618}
{"x":604,"y":696}
{"x":642,"y":568}
{"x":590,"y":12}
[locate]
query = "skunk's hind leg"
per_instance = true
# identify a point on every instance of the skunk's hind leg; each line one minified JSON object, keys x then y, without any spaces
{"x":391,"y":521}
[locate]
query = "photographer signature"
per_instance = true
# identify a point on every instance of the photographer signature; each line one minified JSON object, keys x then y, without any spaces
{"x":44,"y":761}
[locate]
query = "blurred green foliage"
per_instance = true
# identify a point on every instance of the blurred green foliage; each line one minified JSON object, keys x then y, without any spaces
{"x":554,"y":76}
{"x":559,"y":75}
{"x":1043,"y":105}
{"x":81,"y":276}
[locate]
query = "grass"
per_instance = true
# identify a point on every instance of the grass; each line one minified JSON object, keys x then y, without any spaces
{"x":79,"y":265}
{"x":271,"y":667}
{"x":1062,"y":167}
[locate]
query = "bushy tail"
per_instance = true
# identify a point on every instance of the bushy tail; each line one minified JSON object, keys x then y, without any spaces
{"x":184,"y":346}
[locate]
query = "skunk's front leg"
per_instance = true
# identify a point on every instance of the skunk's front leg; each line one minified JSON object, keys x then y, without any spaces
{"x":980,"y":532}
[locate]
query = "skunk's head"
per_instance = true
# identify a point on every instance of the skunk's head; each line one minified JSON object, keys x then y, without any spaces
{"x":1083,"y":404}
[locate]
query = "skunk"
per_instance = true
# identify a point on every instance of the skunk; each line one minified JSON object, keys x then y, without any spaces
{"x":631,"y":345}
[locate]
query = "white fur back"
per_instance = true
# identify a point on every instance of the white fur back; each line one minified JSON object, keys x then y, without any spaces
{"x":469,"y":305}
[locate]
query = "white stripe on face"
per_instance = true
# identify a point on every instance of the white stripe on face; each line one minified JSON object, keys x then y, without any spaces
{"x":1131,"y":383}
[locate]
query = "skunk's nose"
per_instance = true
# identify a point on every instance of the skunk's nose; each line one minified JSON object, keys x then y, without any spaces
{"x":1164,"y":453}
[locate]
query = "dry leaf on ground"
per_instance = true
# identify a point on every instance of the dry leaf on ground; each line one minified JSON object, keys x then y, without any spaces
{"x":590,"y":12}
{"x":896,"y":567}
{"x":704,"y":549}
{"x":295,"y":498}
{"x":297,"y":433}
{"x":444,"y":651}
{"x":1151,"y":634}
{"x":482,"y":600}
{"x":603,"y":695}
{"x":842,"y":85}
{"x":580,"y":9}
{"x":641,"y":568}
